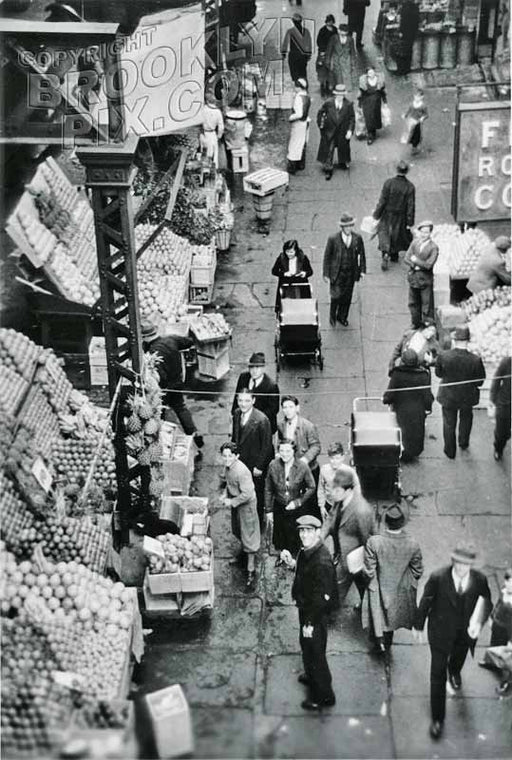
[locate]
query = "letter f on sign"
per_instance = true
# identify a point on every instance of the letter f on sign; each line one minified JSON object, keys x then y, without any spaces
{"x":488,"y":131}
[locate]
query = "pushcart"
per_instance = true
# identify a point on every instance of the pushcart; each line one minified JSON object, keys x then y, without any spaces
{"x":298,"y":327}
{"x":376,"y":446}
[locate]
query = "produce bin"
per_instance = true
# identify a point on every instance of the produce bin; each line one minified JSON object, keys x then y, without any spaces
{"x":175,"y":583}
{"x":213,"y":358}
{"x":200,"y":294}
{"x":169,"y":715}
{"x":204,"y":275}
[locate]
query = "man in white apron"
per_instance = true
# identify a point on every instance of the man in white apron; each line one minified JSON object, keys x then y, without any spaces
{"x":299,"y":127}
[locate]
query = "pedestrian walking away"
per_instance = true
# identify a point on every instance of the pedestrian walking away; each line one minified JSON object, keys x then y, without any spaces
{"x":407,"y":32}
{"x":340,"y":58}
{"x":297,"y":43}
{"x":263,"y":388}
{"x":253,"y":436}
{"x":289,"y":492}
{"x":336,"y":120}
{"x":414,"y":118}
{"x":351,"y":522}
{"x":296,"y":155}
{"x":423,"y":341}
{"x":336,"y":463}
{"x":344,"y":264}
{"x":420,"y":258}
{"x":372,"y":95}
{"x":458,"y":365}
{"x":500,"y":406}
{"x":498,"y":656}
{"x":449,"y":600}
{"x":410,"y":396}
{"x":393,"y":564}
{"x":295,"y":427}
{"x":356,"y":11}
{"x":491,"y":270}
{"x":171,"y":375}
{"x":324,"y":35}
{"x":240,"y":496}
{"x":292,"y":268}
{"x":395,"y":213}
{"x":314,"y":593}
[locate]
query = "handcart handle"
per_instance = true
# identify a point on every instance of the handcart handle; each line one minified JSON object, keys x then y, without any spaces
{"x":377,"y":399}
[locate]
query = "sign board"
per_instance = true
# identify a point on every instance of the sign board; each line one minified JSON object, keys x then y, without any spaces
{"x":482,"y":162}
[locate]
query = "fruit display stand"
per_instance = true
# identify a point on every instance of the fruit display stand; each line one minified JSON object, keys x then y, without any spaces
{"x":459,"y":253}
{"x":212,"y":336}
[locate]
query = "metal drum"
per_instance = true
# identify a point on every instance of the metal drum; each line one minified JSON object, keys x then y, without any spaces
{"x":465,"y":48}
{"x":417,"y":53}
{"x":448,"y":51}
{"x":387,"y":47}
{"x":431,"y":46}
{"x":235,"y":129}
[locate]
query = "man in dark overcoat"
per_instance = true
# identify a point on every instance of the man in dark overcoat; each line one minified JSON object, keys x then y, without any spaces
{"x":265,"y":390}
{"x":253,"y":437}
{"x":395,"y":212}
{"x":314,"y":593}
{"x":356,"y":11}
{"x":297,"y":42}
{"x":458,"y":365}
{"x":336,"y":120}
{"x":449,"y":600}
{"x":344,"y":264}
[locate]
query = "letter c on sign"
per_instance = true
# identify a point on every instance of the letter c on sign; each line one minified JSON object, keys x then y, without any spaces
{"x":480,"y":202}
{"x":506,"y":196}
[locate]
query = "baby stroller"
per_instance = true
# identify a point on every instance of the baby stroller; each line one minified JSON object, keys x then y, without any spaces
{"x":376,"y":446}
{"x":298,"y":327}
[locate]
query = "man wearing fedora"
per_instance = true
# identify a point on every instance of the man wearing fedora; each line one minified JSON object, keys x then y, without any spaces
{"x":394,"y":565}
{"x":458,"y":365}
{"x":314,"y":592}
{"x":395,"y":212}
{"x":298,"y":44}
{"x":420,"y":258}
{"x":171,"y":373}
{"x":344,"y":264}
{"x":449,"y":600}
{"x":265,"y":390}
{"x":336,"y":121}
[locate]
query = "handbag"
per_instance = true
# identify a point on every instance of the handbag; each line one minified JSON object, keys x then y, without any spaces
{"x":360,"y":126}
{"x":385,"y":115}
{"x":355,"y":560}
{"x":369,"y":225}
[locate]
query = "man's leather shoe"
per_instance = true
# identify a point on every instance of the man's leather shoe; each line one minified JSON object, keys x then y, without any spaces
{"x":308,"y":704}
{"x":498,"y":455}
{"x":328,"y":176}
{"x":332,"y":322}
{"x":329,"y":702}
{"x":436,"y":729}
{"x":455,"y":681}
{"x":450,"y":456}
{"x":302,"y":678}
{"x":463,"y":446}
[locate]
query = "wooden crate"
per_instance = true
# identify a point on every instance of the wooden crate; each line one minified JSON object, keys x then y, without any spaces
{"x":204,"y":276}
{"x":200,"y":294}
{"x":213,"y":359}
{"x":240,"y":160}
{"x":175,"y":583}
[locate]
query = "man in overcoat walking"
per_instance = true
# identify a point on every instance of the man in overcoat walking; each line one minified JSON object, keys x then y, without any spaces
{"x":253,"y":437}
{"x":264,"y":389}
{"x":458,"y":365}
{"x":298,"y":44}
{"x":449,"y":600}
{"x":356,"y":11}
{"x":344,"y":264}
{"x":314,"y":593}
{"x":336,"y":120}
{"x":395,"y":212}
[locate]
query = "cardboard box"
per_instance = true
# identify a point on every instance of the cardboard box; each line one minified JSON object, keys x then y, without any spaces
{"x":170,"y":720}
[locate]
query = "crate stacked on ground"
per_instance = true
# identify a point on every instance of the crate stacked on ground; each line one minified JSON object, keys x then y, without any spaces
{"x":179,"y":576}
{"x":202,"y":274}
{"x":459,"y":253}
{"x":213,"y":337}
{"x":178,"y":455}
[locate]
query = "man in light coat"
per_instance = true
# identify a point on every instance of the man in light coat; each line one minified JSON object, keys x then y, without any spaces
{"x":420,"y":258}
{"x":344,"y":264}
{"x":294,"y":427}
{"x":491,"y":270}
{"x":393,"y":564}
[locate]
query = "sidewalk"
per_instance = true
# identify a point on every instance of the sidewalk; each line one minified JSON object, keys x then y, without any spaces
{"x":239,"y":670}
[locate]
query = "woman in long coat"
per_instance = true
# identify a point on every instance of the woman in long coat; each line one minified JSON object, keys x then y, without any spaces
{"x":324,"y":35}
{"x":296,"y":155}
{"x":393,"y":563}
{"x":411,"y":406}
{"x":372,"y":94}
{"x":289,"y":491}
{"x":292,"y":267}
{"x":340,"y":58}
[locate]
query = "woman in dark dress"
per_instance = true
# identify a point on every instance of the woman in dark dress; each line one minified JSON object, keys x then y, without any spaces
{"x":292,"y":267}
{"x":322,"y":40}
{"x":372,"y":94}
{"x":411,"y":406}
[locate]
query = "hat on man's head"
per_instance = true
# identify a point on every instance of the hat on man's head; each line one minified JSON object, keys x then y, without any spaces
{"x":409,"y":358}
{"x":297,"y":17}
{"x":425,"y":223}
{"x":308,"y":521}
{"x":343,"y":28}
{"x":402,"y":167}
{"x":257,"y":360}
{"x":149,"y":331}
{"x":502,"y":243}
{"x":394,"y":517}
{"x":464,"y":553}
{"x":346,"y":220}
{"x":340,"y":89}
{"x":462,"y":333}
{"x":428,"y":322}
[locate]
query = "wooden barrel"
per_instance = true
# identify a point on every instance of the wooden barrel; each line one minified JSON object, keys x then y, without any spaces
{"x":417,"y":53}
{"x":263,"y":206}
{"x":431,"y":45}
{"x":465,"y":48}
{"x":448,"y":51}
{"x":235,"y":122}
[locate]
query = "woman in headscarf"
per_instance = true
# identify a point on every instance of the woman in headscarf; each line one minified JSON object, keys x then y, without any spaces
{"x":298,"y":118}
{"x":340,"y":57}
{"x":324,"y":35}
{"x":411,"y":405}
{"x":372,"y":94}
{"x":292,"y":267}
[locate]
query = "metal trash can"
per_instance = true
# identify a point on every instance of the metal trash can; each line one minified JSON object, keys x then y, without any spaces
{"x":431,"y":47}
{"x":465,"y":47}
{"x":387,"y":54}
{"x":448,"y":50}
{"x":417,"y":53}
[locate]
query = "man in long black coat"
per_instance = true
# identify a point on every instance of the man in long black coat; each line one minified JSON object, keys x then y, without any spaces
{"x":356,"y":11}
{"x":395,"y":212}
{"x":344,"y":264}
{"x":297,"y":42}
{"x":314,"y":592}
{"x":458,"y":365}
{"x":253,"y":437}
{"x":336,"y":120}
{"x":265,"y":390}
{"x":449,"y":600}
